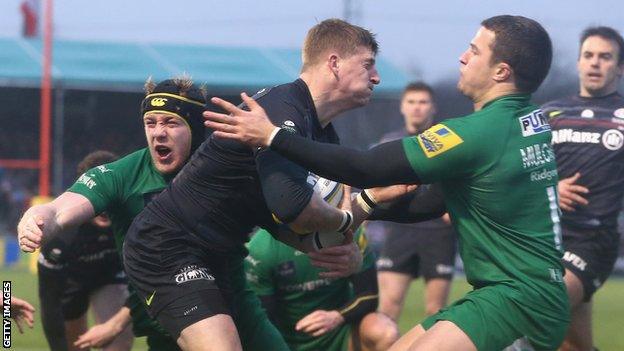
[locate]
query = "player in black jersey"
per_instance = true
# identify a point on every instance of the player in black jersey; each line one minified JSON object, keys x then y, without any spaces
{"x":587,"y":139}
{"x":178,"y":248}
{"x":78,"y":268}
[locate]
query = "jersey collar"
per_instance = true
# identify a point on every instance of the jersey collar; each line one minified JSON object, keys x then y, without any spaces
{"x":518,"y":97}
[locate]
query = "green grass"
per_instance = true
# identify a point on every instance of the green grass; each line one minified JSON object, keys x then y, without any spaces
{"x":608,"y":311}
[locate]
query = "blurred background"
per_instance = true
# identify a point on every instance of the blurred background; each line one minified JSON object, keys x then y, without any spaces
{"x":103,"y":51}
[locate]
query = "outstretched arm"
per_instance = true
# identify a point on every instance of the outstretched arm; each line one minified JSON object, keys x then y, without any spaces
{"x":66,"y":211}
{"x":383,"y":165}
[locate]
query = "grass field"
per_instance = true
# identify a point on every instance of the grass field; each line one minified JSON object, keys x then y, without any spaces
{"x":608,"y":311}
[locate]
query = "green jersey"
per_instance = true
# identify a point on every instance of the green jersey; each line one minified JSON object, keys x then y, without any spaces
{"x":122,"y":188}
{"x":497,"y":169}
{"x":274,"y":268}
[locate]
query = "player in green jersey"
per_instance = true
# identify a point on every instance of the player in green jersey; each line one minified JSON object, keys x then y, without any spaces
{"x":497,"y":170}
{"x":316,"y":313}
{"x":121,"y":189}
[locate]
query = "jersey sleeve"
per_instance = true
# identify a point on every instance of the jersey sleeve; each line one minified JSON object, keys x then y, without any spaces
{"x":445,"y":151}
{"x":368,"y":257}
{"x":101,"y":185}
{"x":258,"y":264}
{"x":284,"y":183}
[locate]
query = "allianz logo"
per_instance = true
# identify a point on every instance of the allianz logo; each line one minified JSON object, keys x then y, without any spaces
{"x":572,"y":136}
{"x":611,"y":139}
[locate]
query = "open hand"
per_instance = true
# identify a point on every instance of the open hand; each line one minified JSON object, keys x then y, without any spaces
{"x":251,"y":127}
{"x":570,"y":194}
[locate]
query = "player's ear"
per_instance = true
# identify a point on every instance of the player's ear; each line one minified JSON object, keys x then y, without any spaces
{"x":503,"y":72}
{"x":333,"y":63}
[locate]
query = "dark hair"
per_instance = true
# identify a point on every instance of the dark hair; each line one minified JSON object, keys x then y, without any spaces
{"x":607,"y":33}
{"x":335,"y":34}
{"x":524,"y":45}
{"x":95,"y":158}
{"x":419,"y":86}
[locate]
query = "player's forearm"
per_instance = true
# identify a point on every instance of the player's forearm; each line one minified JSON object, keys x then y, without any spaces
{"x":317,"y":216}
{"x":120,"y":320}
{"x":383,"y":165}
{"x":424,"y":204}
{"x":47,"y":213}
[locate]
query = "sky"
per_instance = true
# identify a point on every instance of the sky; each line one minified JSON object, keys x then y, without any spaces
{"x":422,"y":38}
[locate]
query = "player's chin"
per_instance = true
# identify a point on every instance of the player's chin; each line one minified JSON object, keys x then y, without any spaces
{"x":167,"y":166}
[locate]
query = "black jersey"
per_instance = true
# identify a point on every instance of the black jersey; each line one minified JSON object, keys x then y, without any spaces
{"x":226,"y":189}
{"x":82,"y":252}
{"x":588,"y":138}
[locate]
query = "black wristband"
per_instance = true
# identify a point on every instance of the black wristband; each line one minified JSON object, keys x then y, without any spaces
{"x":368,"y":200}
{"x":347,"y":223}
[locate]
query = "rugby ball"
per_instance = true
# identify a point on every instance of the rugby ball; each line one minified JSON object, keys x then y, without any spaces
{"x":332,"y":192}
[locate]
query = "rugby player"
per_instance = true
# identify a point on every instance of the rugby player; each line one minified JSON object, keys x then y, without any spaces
{"x":78,"y":268}
{"x":171,"y":117}
{"x":487,"y":164}
{"x":178,"y":249}
{"x":424,"y":249}
{"x":315,"y":313}
{"x":588,"y":139}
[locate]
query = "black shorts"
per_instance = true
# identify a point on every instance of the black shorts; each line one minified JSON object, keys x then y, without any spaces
{"x":178,"y":280}
{"x":590,"y":254}
{"x":75,"y":284}
{"x":78,"y":288}
{"x":419,"y":251}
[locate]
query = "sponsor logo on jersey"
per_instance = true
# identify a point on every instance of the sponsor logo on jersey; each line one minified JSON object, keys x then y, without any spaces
{"x":613,"y":139}
{"x":362,"y":242}
{"x":254,"y":262}
{"x":572,"y":136}
{"x":555,"y":275}
{"x":289,"y":126}
{"x":575,"y":260}
{"x":587,"y":113}
{"x":191,"y":273}
{"x":534,"y":123}
{"x":619,"y":113}
{"x":554,"y":113}
{"x":437,"y":140}
{"x":308,"y":286}
{"x":158,"y":101}
{"x":87,"y":181}
{"x":103,"y":169}
{"x":286,"y":269}
{"x":252,"y":278}
{"x":537,"y":155}
{"x":546,"y":174}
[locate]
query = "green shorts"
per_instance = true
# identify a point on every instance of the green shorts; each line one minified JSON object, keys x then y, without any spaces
{"x":495,"y":316}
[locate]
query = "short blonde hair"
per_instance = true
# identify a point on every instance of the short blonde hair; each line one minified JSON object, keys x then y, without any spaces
{"x":335,"y":34}
{"x":184,"y":82}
